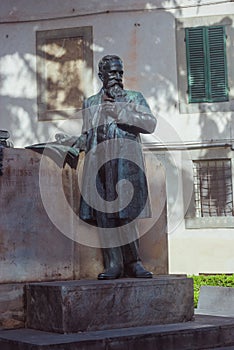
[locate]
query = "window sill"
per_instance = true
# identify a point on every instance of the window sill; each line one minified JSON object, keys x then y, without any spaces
{"x":187,"y":108}
{"x":210,"y":222}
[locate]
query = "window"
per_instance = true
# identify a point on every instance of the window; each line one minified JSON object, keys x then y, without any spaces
{"x":206,"y":64}
{"x":64,"y":70}
{"x":213,"y":193}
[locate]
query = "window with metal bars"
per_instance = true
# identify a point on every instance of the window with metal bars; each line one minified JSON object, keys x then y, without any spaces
{"x":213,"y":187}
{"x":206,"y":64}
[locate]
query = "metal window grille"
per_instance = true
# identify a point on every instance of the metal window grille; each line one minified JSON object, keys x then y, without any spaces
{"x":213,"y":187}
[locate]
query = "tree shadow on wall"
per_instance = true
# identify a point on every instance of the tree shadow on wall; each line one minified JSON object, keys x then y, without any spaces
{"x":58,"y":91}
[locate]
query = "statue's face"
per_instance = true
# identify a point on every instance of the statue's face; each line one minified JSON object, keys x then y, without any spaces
{"x":112,"y":74}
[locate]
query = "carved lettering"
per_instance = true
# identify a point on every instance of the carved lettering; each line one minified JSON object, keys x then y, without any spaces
{"x":18,"y":172}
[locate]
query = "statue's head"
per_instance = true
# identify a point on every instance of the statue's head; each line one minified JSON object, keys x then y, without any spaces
{"x":111,"y":71}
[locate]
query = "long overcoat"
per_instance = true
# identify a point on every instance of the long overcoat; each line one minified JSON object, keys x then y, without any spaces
{"x":113,"y":153}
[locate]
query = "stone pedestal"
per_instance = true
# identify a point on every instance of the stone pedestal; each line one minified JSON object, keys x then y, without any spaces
{"x":33,"y":248}
{"x":75,"y":306}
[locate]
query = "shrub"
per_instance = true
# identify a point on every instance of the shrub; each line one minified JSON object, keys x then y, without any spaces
{"x":210,"y":280}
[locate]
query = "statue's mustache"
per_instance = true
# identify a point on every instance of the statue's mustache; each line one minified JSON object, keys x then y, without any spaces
{"x":113,"y":82}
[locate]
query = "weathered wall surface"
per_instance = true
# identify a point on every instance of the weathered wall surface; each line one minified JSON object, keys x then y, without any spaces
{"x":32,"y":248}
{"x":142,"y":33}
{"x":15,"y":11}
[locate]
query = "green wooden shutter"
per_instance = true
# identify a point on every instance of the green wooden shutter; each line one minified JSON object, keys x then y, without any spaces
{"x":206,"y":64}
{"x":217,"y":64}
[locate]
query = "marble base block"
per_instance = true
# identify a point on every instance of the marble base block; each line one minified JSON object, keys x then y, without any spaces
{"x":85,"y":305}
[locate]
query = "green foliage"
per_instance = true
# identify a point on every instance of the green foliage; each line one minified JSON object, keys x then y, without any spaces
{"x":210,"y":280}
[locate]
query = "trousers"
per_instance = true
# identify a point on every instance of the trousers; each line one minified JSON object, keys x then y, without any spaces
{"x":127,"y":231}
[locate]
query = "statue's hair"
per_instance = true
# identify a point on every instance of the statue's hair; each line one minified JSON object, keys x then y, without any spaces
{"x":106,"y":59}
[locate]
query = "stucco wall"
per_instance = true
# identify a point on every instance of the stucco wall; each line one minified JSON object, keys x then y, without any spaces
{"x":144,"y":36}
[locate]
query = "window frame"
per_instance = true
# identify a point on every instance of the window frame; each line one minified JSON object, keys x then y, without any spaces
{"x":85,"y":32}
{"x":183,"y":102}
{"x":202,"y":37}
{"x":202,"y":173}
{"x":193,"y":222}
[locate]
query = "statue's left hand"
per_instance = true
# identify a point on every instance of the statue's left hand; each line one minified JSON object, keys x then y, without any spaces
{"x":64,"y":139}
{"x":60,"y":137}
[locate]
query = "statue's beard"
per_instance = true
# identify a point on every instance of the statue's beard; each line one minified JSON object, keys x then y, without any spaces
{"x":114,"y":89}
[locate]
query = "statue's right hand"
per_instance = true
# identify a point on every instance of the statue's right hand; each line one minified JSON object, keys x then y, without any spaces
{"x":108,"y":106}
{"x":106,"y":98}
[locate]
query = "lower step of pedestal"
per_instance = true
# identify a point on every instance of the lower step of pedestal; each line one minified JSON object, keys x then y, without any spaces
{"x":206,"y":332}
{"x":91,"y":305}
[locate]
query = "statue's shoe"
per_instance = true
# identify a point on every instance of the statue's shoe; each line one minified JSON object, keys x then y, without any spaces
{"x":136,"y":269}
{"x":110,"y":273}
